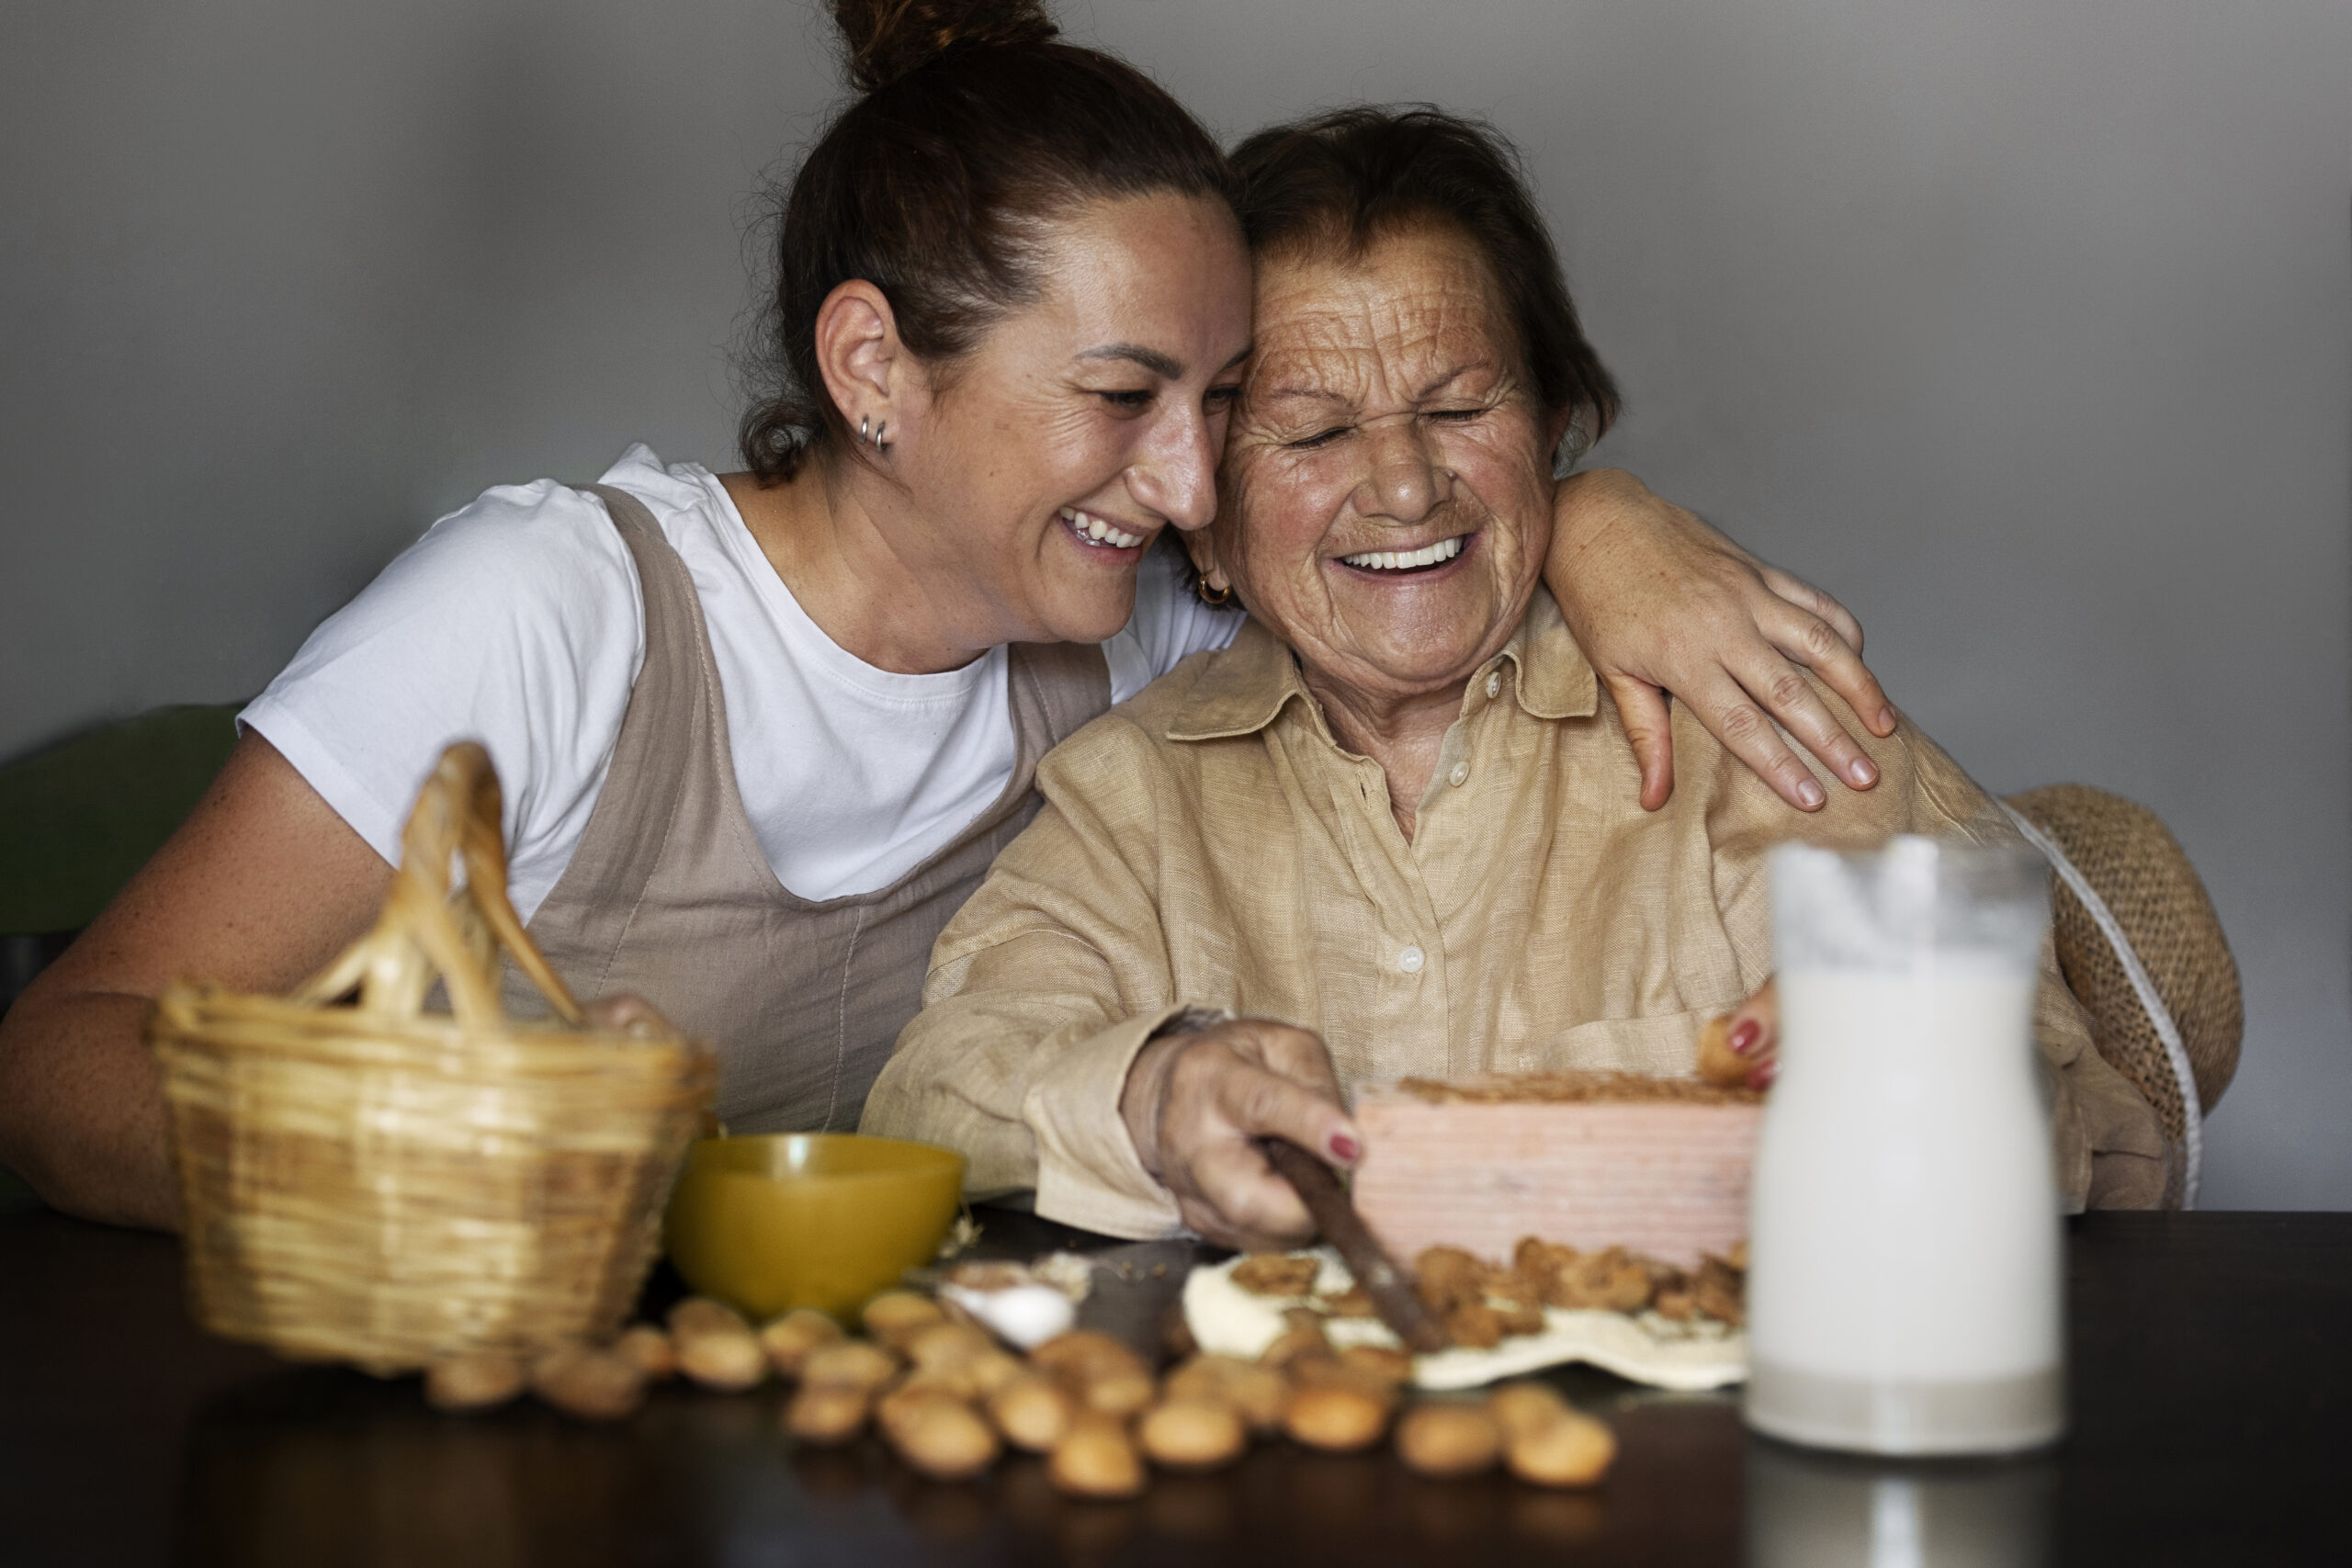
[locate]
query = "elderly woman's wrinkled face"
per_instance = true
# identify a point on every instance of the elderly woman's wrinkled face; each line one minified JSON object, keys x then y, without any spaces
{"x":1387,"y":497}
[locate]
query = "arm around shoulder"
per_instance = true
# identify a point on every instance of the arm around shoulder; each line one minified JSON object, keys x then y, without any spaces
{"x":1660,"y":602}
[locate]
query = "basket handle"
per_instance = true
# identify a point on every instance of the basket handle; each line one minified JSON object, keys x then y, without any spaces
{"x":425,"y":930}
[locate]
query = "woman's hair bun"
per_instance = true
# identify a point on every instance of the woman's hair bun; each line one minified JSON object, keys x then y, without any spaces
{"x":889,"y":38}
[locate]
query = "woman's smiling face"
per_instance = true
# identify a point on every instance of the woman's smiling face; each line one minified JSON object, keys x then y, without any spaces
{"x":1387,"y":503}
{"x":1047,"y":460}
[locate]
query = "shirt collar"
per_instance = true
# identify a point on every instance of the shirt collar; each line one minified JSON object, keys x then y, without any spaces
{"x":1243,"y":690}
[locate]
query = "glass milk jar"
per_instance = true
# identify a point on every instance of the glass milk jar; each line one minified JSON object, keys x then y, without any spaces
{"x":1905,"y":1293}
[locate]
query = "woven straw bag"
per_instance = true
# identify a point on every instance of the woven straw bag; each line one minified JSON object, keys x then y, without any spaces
{"x":2142,"y":948}
{"x":369,"y":1181}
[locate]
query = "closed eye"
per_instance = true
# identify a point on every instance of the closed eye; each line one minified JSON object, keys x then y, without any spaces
{"x":1134,"y":402}
{"x":1458,"y":416}
{"x":1321,"y":438}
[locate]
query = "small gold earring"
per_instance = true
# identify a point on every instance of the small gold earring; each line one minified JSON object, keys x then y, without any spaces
{"x":1214,"y":598}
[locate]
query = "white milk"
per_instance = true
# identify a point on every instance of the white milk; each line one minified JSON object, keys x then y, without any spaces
{"x":1905,"y":1293}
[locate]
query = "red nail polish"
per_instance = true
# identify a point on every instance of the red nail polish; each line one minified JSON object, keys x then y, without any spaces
{"x":1762,"y":1077}
{"x":1744,"y":1034}
{"x":1344,"y":1148}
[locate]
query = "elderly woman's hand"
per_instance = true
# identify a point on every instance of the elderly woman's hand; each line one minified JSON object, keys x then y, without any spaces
{"x":1661,"y":603}
{"x":1197,"y":1101}
{"x":1744,"y":1044}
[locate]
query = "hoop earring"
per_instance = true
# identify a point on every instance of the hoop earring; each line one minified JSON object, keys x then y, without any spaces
{"x":1214,"y":598}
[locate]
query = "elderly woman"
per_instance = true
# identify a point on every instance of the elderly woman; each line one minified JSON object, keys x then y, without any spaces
{"x":1394,"y":815}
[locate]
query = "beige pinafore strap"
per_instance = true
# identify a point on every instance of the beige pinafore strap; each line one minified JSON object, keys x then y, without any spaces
{"x":675,"y":715}
{"x":670,"y":894}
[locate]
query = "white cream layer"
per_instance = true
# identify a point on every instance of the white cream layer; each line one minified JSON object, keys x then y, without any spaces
{"x":1227,"y":1320}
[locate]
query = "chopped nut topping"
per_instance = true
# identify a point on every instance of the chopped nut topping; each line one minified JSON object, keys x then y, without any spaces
{"x":1548,"y":1089}
{"x":1277,"y":1274}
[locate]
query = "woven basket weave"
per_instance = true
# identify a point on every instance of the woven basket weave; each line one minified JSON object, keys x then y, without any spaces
{"x":2140,"y":872}
{"x":369,"y":1181}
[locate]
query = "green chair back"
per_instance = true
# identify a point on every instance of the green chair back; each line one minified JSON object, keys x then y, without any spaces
{"x":78,"y":818}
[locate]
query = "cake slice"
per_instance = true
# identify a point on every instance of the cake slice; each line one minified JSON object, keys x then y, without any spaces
{"x":1590,"y":1160}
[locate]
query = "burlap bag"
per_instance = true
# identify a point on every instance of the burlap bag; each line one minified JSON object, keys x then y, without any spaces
{"x":2138,"y":873}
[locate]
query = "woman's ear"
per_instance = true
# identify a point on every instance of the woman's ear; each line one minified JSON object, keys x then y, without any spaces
{"x":1567,"y":436}
{"x":859,"y":353}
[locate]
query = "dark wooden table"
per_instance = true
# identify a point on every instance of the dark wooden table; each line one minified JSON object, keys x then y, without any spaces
{"x":2212,"y":1385}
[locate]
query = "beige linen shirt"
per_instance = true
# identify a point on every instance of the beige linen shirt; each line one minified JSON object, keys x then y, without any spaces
{"x":1208,"y":844}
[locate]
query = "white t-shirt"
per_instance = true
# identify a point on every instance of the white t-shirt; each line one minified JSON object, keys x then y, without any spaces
{"x":517,"y":621}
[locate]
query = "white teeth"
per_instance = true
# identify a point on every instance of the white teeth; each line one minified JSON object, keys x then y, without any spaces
{"x":1100,"y":532}
{"x":1397,"y":560}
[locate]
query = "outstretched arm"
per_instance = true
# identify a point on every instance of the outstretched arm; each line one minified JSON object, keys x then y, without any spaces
{"x":260,"y":886}
{"x":1661,"y":603}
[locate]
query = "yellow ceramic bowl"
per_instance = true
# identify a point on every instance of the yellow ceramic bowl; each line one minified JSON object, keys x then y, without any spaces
{"x":807,"y":1218}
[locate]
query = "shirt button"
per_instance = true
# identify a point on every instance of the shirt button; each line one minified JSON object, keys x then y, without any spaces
{"x":1460,"y":776}
{"x":1495,"y":685}
{"x":1410,"y":960}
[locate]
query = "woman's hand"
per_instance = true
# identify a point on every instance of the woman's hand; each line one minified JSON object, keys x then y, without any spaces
{"x":1195,"y":1105}
{"x":626,"y":1012}
{"x":1662,"y":602}
{"x":1744,"y":1044}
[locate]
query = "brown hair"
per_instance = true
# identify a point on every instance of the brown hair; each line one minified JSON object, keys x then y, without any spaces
{"x":976,"y":127}
{"x":1342,"y":180}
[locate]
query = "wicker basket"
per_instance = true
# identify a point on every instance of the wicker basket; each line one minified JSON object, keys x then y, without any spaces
{"x":369,"y":1181}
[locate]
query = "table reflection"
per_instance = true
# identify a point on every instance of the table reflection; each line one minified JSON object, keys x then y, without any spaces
{"x":323,"y":1465}
{"x":1819,"y":1511}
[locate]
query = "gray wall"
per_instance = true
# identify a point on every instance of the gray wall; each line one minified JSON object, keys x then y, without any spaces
{"x":2028,"y":328}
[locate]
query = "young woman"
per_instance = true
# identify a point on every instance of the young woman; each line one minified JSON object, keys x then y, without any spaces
{"x":761,"y":734}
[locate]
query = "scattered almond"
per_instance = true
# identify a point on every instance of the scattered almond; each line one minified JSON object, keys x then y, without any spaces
{"x":715,"y":1347}
{"x":1085,"y":1354}
{"x":827,"y":1413}
{"x":1449,"y":1438}
{"x":937,"y":1434}
{"x":647,"y":1349}
{"x":1096,"y":1458}
{"x":594,"y":1385}
{"x":897,"y":1315}
{"x":789,"y":1339}
{"x":1336,"y":1417}
{"x":854,"y":1364}
{"x":1193,"y":1434}
{"x":1259,"y":1393}
{"x":1031,"y":1412}
{"x":1119,"y":1393}
{"x":478,"y":1380}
